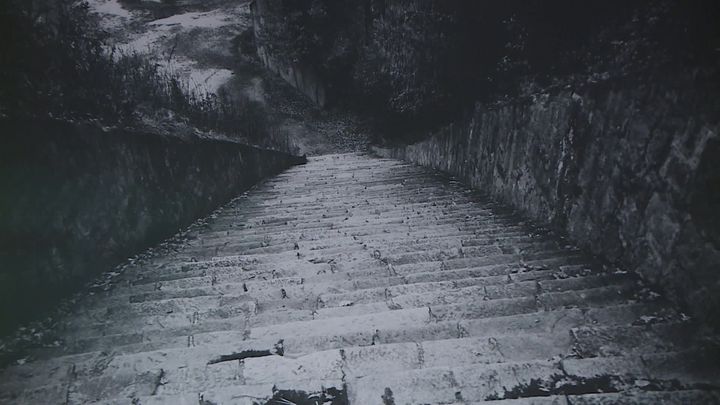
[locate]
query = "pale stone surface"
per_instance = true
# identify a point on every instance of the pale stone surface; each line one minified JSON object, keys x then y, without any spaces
{"x":374,"y":277}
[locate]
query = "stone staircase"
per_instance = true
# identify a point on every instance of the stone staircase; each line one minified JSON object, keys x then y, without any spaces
{"x":369,"y":281}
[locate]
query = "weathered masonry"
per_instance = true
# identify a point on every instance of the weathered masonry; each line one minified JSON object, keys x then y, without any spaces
{"x":629,"y":172}
{"x":303,"y":77}
{"x":356,"y":280}
{"x":75,"y":200}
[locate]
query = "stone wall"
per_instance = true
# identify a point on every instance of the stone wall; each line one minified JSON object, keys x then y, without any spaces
{"x":303,"y":78}
{"x":75,"y":200}
{"x":627,"y":170}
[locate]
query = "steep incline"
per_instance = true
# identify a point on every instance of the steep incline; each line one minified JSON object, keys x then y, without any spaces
{"x":375,"y":282}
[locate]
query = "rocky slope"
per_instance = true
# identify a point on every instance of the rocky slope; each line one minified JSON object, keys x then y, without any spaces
{"x":200,"y":44}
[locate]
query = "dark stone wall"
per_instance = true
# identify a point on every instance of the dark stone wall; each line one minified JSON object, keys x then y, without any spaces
{"x":627,"y":170}
{"x":75,"y":200}
{"x":304,"y":77}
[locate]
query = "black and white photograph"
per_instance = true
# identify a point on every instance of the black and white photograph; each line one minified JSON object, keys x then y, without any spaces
{"x":359,"y":202}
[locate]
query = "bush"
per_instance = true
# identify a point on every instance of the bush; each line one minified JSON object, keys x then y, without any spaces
{"x":56,"y":64}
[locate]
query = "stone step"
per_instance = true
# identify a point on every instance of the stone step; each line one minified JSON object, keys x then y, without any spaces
{"x":607,"y":341}
{"x":360,"y":329}
{"x":385,"y":283}
{"x":187,"y":366}
{"x":398,"y":240}
{"x":442,"y":238}
{"x":302,"y":237}
{"x":625,"y":398}
{"x":285,"y":393}
{"x":180,"y":311}
{"x":348,"y":216}
{"x":243,"y":213}
{"x":492,"y":382}
{"x":391,"y":326}
{"x":446,"y":292}
{"x":395,"y":256}
{"x":316,"y":286}
{"x":365,"y":225}
{"x":237,"y":269}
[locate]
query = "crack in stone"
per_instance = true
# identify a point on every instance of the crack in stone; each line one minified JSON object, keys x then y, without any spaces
{"x":421,"y":354}
{"x":72,"y":376}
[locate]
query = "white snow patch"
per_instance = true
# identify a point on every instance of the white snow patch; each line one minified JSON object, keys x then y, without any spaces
{"x":145,"y":43}
{"x":152,"y":41}
{"x":199,"y":80}
{"x":112,"y":15}
{"x":211,"y":19}
{"x":209,"y":80}
{"x":164,"y":28}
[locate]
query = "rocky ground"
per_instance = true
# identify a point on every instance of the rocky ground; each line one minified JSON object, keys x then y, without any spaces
{"x":199,"y":43}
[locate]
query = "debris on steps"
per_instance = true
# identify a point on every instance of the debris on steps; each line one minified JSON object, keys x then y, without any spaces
{"x":357,"y":280}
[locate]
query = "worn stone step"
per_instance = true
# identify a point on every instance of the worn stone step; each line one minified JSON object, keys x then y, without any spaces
{"x":414,"y":215}
{"x":397,"y":240}
{"x":148,"y":389}
{"x":468,"y":303}
{"x":413,"y":323}
{"x":542,"y":259}
{"x":688,"y":369}
{"x":467,"y":306}
{"x":317,"y":286}
{"x":395,"y":326}
{"x":404,"y":287}
{"x":387,"y":192}
{"x":376,"y":228}
{"x":290,"y":265}
{"x":446,"y":292}
{"x":353,"y":362}
{"x":530,"y":379}
{"x":625,"y":398}
{"x":224,"y":306}
{"x":606,"y":341}
{"x":251,"y":394}
{"x":394,"y":243}
{"x":391,"y":205}
{"x":396,"y":256}
{"x":547,"y":301}
{"x":648,"y":398}
{"x":365,"y":225}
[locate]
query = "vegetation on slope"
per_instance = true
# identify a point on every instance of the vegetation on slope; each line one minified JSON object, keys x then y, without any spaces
{"x":57,"y":64}
{"x":425,"y":61}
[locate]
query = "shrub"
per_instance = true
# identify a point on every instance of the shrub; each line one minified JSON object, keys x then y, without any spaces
{"x":56,"y":64}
